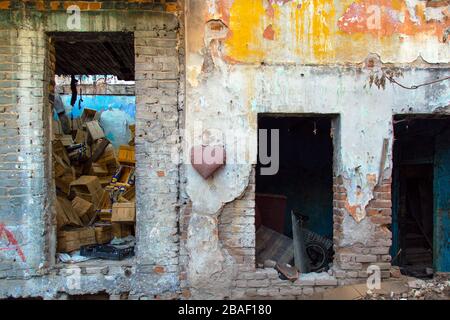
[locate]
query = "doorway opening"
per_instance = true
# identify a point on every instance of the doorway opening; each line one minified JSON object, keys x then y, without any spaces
{"x":294,"y":206}
{"x":421,"y":189}
{"x":92,"y":96}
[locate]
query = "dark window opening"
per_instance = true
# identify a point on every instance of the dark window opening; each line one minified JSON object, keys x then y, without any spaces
{"x":90,"y":53}
{"x":294,"y":207}
{"x":421,"y":189}
{"x":93,"y":141}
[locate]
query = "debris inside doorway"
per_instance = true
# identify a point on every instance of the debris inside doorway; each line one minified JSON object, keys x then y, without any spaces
{"x":293,"y":207}
{"x":420,"y":197}
{"x":95,"y":188}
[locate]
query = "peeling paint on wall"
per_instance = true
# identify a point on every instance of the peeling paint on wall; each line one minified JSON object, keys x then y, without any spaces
{"x":259,"y":67}
{"x":317,"y":32}
{"x":330,"y":31}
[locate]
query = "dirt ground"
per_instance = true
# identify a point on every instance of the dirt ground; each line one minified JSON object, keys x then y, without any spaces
{"x":401,"y":288}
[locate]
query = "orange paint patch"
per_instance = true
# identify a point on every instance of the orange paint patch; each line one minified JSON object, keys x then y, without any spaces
{"x":4,"y":4}
{"x":353,"y":210}
{"x":54,"y":5}
{"x":159,"y":269}
{"x":161,"y":174}
{"x":388,"y":17}
{"x":171,"y":7}
{"x":95,"y":6}
{"x":269,"y":33}
{"x":40,"y":5}
{"x":83,"y":5}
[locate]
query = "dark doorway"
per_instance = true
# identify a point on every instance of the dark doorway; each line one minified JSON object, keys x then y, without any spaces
{"x":420,"y":194}
{"x":303,"y":185}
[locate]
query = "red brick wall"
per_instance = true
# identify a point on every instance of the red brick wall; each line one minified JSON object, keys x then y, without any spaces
{"x":351,"y":262}
{"x":237,"y":228}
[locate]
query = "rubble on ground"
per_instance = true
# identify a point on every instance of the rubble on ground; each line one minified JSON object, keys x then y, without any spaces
{"x":437,"y":288}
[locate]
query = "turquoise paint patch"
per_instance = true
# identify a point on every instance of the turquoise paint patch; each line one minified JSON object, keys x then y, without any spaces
{"x":441,"y":244}
{"x":117,"y":113}
{"x":101,"y":103}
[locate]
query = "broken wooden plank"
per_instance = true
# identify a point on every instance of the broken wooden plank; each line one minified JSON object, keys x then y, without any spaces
{"x":271,"y":245}
{"x":291,"y":273}
{"x":95,"y":156}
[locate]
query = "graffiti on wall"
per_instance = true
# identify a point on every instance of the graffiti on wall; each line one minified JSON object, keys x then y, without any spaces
{"x":12,"y":243}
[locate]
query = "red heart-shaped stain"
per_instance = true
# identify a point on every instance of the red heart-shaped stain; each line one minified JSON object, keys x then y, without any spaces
{"x":207,"y":159}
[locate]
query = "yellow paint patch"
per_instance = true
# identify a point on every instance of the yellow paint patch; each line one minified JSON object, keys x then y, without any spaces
{"x":244,"y":43}
{"x":299,"y":26}
{"x":302,"y":29}
{"x":322,"y":29}
{"x":329,"y":31}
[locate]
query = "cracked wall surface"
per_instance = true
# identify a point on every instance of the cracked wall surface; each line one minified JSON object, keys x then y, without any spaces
{"x":308,"y":57}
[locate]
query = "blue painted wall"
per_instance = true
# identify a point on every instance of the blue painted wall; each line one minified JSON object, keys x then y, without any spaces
{"x":442,"y":202}
{"x":117,"y":113}
{"x":103,"y":103}
{"x":425,"y":142}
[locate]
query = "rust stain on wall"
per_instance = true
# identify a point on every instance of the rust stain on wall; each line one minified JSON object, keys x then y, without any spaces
{"x":269,"y":33}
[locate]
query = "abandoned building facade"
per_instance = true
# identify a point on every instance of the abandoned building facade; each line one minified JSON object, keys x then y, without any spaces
{"x":356,"y":88}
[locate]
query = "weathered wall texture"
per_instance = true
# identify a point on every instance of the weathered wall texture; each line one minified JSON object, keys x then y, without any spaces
{"x":196,"y":237}
{"x":324,"y":31}
{"x":246,"y":57}
{"x":26,"y":193}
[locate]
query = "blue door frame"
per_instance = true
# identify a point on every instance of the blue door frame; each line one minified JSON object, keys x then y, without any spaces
{"x":441,"y":247}
{"x":395,"y":207}
{"x":441,"y":196}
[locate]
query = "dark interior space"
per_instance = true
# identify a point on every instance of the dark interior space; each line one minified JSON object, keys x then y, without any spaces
{"x":417,"y":187}
{"x":95,"y":53}
{"x":303,"y":186}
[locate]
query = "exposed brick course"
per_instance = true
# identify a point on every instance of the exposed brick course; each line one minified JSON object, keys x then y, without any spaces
{"x":352,"y":262}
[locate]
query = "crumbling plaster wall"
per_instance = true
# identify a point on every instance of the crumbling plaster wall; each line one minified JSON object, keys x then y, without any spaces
{"x":309,"y":63}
